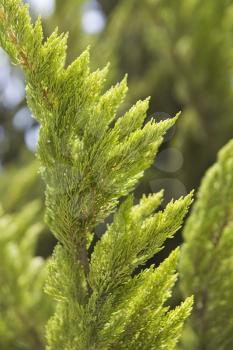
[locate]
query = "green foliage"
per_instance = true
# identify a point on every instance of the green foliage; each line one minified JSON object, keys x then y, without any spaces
{"x":122,"y":312}
{"x":206,"y":264}
{"x":90,"y":157}
{"x":180,"y":52}
{"x":19,"y":186}
{"x":24,"y":308}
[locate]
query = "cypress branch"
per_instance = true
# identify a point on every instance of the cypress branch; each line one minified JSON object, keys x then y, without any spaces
{"x":24,"y":307}
{"x":206,"y":264}
{"x":89,"y":160}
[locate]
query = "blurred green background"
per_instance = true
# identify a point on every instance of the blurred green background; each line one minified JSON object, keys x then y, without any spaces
{"x":178,"y":52}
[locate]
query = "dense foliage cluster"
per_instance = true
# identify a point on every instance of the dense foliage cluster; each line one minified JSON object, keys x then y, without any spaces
{"x":206,"y":265}
{"x":24,"y":308}
{"x":89,"y":160}
{"x":104,"y":292}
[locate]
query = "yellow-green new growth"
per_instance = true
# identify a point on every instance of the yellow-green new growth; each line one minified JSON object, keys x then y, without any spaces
{"x":89,"y":160}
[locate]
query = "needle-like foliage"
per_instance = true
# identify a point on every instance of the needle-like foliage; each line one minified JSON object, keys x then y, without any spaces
{"x":207,"y":259}
{"x":90,"y":157}
{"x":24,"y":308}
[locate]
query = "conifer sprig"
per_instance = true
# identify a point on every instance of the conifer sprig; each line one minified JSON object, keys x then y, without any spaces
{"x":84,"y":176}
{"x":24,"y":308}
{"x":89,"y":160}
{"x":207,"y":258}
